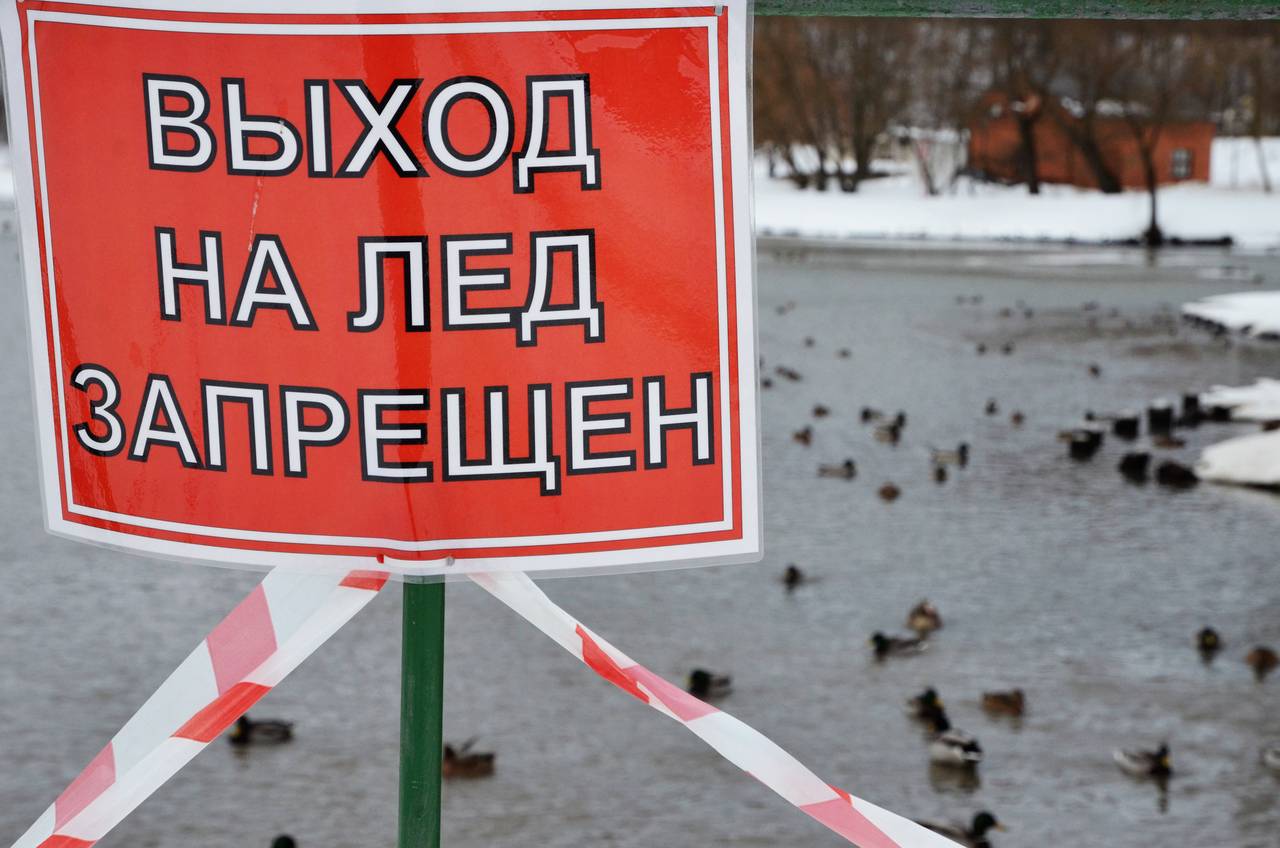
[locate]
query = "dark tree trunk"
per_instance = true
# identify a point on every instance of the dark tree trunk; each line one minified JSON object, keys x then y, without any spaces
{"x":1154,"y":236}
{"x":1027,"y":153}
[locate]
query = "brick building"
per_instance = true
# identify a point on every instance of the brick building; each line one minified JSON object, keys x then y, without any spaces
{"x":995,"y":146}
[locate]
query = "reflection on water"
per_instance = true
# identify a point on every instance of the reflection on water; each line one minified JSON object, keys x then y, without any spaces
{"x":1052,"y":576}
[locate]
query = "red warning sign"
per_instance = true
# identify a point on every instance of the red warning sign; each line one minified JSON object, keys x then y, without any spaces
{"x":457,"y":287}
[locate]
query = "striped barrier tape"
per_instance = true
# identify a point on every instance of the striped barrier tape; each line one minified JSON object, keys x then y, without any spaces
{"x":858,"y":821}
{"x":281,"y":623}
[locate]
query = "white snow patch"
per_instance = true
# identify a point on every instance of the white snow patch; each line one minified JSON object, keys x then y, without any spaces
{"x":1259,"y":402}
{"x":1252,"y":460}
{"x":1255,"y":314}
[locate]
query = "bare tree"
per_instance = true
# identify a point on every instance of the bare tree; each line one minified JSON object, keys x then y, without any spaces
{"x":1024,"y":67}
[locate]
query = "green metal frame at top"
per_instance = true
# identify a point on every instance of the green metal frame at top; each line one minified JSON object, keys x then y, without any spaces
{"x":1152,"y":9}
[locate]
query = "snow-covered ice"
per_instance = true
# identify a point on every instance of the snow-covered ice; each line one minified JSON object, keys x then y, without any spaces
{"x":1254,"y":314}
{"x":1259,"y":402}
{"x":1252,"y":460}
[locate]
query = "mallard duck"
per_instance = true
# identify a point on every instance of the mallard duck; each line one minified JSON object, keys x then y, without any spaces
{"x":939,"y":473}
{"x":1167,"y":442}
{"x":889,"y":433}
{"x":1138,"y":762}
{"x":924,"y":618}
{"x":844,"y":353}
{"x":1007,"y":347}
{"x":973,"y":836}
{"x":1208,"y":641}
{"x":1017,"y":419}
{"x":820,"y":411}
{"x":846,"y":470}
{"x":889,"y":492}
{"x":1012,"y":702}
{"x":1271,"y":757}
{"x":790,"y":373}
{"x":1095,"y":370}
{"x":1134,"y":466}
{"x":246,"y":731}
{"x":803,"y":436}
{"x":869,"y":414}
{"x":461,"y":762}
{"x":926,"y":706}
{"x":992,"y":407}
{"x":952,"y":746}
{"x":981,"y":348}
{"x":705,"y":684}
{"x":895,"y":646}
{"x":959,"y":456}
{"x":284,"y":840}
{"x":1262,"y":660}
{"x":792,"y":577}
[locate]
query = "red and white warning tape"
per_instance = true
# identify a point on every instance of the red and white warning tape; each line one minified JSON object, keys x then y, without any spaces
{"x":858,"y":821}
{"x":279,"y":625}
{"x":291,"y":614}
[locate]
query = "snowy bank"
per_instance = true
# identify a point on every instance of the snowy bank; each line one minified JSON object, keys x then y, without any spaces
{"x":1252,"y":460}
{"x":896,"y":207}
{"x":1253,"y":314}
{"x":1259,"y":402}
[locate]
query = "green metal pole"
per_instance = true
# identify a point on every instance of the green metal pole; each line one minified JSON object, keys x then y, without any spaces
{"x":421,"y":714}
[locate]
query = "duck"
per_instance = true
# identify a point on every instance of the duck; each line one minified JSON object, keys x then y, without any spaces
{"x":924,"y":618}
{"x":992,"y":407}
{"x":1262,"y":660}
{"x":926,"y":706}
{"x":1007,"y":348}
{"x":790,"y":373}
{"x":846,"y":470}
{"x":1138,"y":762}
{"x":981,"y":348}
{"x":959,"y":456}
{"x":889,"y":492}
{"x":1013,"y":702}
{"x":1134,"y":466}
{"x":939,"y":473}
{"x":973,"y":836}
{"x":896,"y":646}
{"x":889,"y":433}
{"x":803,"y":436}
{"x":1095,"y":370}
{"x":284,"y":840}
{"x":1271,"y":757}
{"x":461,"y":762}
{"x":1208,"y":641}
{"x":844,"y":353}
{"x":952,"y":746}
{"x":1175,"y":475}
{"x":792,"y":577}
{"x":820,"y":411}
{"x":869,"y":414}
{"x":247,"y":731}
{"x":766,"y":382}
{"x":706,"y":684}
{"x":1167,"y":442}
{"x":1017,"y":419}
{"x":809,"y":341}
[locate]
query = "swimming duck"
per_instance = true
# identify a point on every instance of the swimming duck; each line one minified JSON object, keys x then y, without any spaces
{"x":766,"y":382}
{"x":981,"y":348}
{"x":461,"y":762}
{"x":992,"y":407}
{"x":1012,"y":702}
{"x":846,"y":470}
{"x":1141,"y":763}
{"x":939,"y":473}
{"x":1017,"y":419}
{"x":896,"y":646}
{"x":924,"y":618}
{"x":705,"y":684}
{"x":1134,"y":466}
{"x":870,"y":414}
{"x":1262,"y":660}
{"x":1007,"y":348}
{"x":1208,"y":641}
{"x":959,"y":456}
{"x":808,"y":341}
{"x":1167,"y":442}
{"x":820,"y":411}
{"x":790,"y":373}
{"x":890,"y":433}
{"x":284,"y":840}
{"x":1271,"y":757}
{"x":952,"y":746}
{"x":792,"y":577}
{"x":926,"y":706}
{"x":889,"y":492}
{"x":1095,"y":370}
{"x":973,"y":836}
{"x":844,"y":353}
{"x":246,"y":731}
{"x":803,"y":436}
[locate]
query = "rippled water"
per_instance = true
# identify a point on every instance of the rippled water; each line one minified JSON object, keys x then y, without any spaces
{"x":1053,"y":576}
